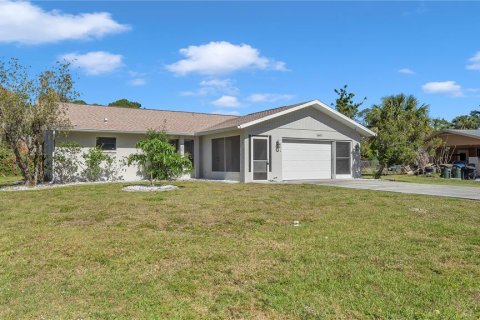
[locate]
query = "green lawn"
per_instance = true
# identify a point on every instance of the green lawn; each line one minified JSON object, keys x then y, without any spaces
{"x":430,"y":180}
{"x":7,"y":181}
{"x":212,"y":250}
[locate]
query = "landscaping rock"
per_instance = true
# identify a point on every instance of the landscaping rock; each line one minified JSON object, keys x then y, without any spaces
{"x":149,"y":188}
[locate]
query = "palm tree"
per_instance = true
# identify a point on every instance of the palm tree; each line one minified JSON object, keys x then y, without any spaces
{"x":402,"y":125}
{"x":465,"y":122}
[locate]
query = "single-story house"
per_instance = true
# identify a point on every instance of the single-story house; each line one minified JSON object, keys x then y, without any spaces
{"x":304,"y":141}
{"x":464,"y":143}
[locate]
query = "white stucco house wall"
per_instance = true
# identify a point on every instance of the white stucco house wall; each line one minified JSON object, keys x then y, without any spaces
{"x":304,"y":141}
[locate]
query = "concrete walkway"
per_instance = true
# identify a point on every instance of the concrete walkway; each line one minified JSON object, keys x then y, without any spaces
{"x":404,"y":187}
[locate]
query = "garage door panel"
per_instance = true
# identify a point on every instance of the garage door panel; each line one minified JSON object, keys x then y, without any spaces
{"x":303,"y":160}
{"x":314,"y":156}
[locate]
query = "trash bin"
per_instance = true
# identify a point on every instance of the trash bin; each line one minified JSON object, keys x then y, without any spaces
{"x":446,"y":173}
{"x":457,"y":172}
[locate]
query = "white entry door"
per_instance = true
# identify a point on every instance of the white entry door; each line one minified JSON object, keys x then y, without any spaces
{"x":306,"y":160}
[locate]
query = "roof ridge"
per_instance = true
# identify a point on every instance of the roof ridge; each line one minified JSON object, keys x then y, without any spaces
{"x":148,"y":109}
{"x":271,"y":109}
{"x":250,"y":115}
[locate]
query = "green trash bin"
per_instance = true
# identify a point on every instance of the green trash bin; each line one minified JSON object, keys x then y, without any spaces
{"x":457,"y":172}
{"x":446,"y":173}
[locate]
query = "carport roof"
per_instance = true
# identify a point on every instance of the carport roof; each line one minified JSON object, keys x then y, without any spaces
{"x":472,"y":133}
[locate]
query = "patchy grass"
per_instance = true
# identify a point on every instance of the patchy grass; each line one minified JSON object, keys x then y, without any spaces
{"x":9,"y":180}
{"x":213,"y":250}
{"x":430,"y":180}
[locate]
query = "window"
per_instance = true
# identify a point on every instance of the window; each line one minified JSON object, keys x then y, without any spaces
{"x":478,"y":152}
{"x":342,"y":159}
{"x":174,"y":142}
{"x":226,"y":154}
{"x":232,"y":154}
{"x":107,"y":144}
{"x":189,"y":148}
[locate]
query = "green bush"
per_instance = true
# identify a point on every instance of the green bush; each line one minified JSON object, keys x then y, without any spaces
{"x":99,"y":165}
{"x":8,"y":166}
{"x":67,"y":162}
{"x":159,"y":160}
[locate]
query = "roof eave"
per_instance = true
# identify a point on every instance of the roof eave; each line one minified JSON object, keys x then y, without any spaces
{"x":173,"y":133}
{"x":205,"y":132}
{"x":452,"y":131}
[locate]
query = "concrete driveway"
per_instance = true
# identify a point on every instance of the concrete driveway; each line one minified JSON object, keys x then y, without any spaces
{"x":404,"y":187}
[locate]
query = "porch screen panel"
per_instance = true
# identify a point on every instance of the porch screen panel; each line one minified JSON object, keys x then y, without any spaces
{"x":218,"y":152}
{"x":232,"y":154}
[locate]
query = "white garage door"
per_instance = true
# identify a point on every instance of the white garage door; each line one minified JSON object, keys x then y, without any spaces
{"x":302,"y":160}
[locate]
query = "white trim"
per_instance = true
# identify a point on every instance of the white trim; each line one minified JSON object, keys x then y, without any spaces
{"x":320,"y":106}
{"x":268,"y":156}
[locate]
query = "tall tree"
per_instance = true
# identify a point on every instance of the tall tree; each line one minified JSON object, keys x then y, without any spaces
{"x":30,"y":105}
{"x":345,"y":104}
{"x":125,"y":103}
{"x":440,"y":124}
{"x":78,"y":102}
{"x":470,"y":121}
{"x":402,"y":126}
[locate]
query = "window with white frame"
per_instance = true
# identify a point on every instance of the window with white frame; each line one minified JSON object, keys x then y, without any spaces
{"x":226,"y":154}
{"x":343,"y":158}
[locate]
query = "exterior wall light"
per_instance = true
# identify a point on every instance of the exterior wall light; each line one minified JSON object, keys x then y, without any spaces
{"x":277,"y":146}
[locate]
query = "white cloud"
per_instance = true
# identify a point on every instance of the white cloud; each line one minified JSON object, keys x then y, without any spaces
{"x":227,"y":101}
{"x":212,"y":87}
{"x":136,"y":78}
{"x":215,"y":58}
{"x":444,"y":87}
{"x":474,"y":62}
{"x":136,"y":82}
{"x":228,"y":112}
{"x":406,"y":71}
{"x":95,"y":62}
{"x":24,"y":22}
{"x":269,"y":97}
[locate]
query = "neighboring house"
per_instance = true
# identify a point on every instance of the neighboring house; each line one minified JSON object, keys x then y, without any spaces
{"x":305,"y":141}
{"x":465,"y":144}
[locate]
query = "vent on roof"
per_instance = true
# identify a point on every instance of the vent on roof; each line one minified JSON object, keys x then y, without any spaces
{"x":105,"y":120}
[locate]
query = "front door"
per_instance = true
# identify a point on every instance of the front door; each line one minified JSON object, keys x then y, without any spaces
{"x":260,"y":158}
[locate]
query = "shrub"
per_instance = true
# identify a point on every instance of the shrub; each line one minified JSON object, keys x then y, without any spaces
{"x":100,"y":166}
{"x":8,"y":166}
{"x":159,"y":160}
{"x":66,"y":162}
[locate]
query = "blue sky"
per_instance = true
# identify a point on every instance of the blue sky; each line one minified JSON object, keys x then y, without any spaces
{"x":242,"y":57}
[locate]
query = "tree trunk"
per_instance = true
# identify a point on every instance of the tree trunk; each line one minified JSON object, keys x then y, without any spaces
{"x":24,"y":169}
{"x":36,"y":163}
{"x":378,"y":174}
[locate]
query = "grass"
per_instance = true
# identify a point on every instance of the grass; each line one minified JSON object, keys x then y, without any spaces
{"x":429,"y":180}
{"x":213,"y":250}
{"x":9,"y":180}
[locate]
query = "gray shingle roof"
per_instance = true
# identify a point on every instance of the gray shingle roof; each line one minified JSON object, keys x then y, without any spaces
{"x":474,"y":133}
{"x":100,"y":118}
{"x":235,"y":122}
